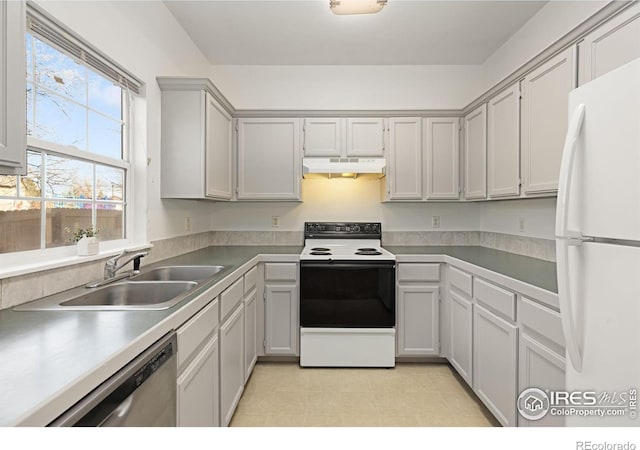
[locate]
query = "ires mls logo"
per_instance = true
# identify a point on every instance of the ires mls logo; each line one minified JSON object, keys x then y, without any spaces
{"x":534,"y":403}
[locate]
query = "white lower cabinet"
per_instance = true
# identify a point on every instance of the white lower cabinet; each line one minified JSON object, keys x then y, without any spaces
{"x":232,"y":375}
{"x":495,"y":358}
{"x":198,"y":389}
{"x":542,"y":368}
{"x":418,"y":318}
{"x":281,"y":319}
{"x":250,"y":328}
{"x":461,"y":337}
{"x":198,"y":393}
{"x":281,"y":324}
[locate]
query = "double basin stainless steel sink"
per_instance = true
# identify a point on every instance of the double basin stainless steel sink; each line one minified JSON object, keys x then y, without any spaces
{"x":155,"y":289}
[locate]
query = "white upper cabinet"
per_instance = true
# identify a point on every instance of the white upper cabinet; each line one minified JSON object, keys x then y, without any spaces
{"x":612,"y":45}
{"x":441,"y":140}
{"x":218,"y":145}
{"x":269,"y":159}
{"x":544,"y":121}
{"x":13,"y":149}
{"x":365,"y":137}
{"x":354,"y":137}
{"x":475,"y":153}
{"x":504,"y":143}
{"x":323,"y":137}
{"x":405,"y":159}
{"x":196,"y":145}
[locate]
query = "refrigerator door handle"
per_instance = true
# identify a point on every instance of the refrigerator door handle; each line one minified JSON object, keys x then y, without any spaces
{"x":566,"y":173}
{"x":568,"y":237}
{"x":566,"y":309}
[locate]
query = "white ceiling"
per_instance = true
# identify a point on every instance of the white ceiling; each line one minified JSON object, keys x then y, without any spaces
{"x":307,"y":32}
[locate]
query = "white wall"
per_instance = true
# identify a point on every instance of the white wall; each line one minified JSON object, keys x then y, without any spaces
{"x":347,"y":87}
{"x":548,"y":25}
{"x":504,"y":217}
{"x":344,"y":200}
{"x":144,"y":38}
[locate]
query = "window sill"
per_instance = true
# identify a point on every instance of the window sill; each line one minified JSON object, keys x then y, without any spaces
{"x":49,"y":261}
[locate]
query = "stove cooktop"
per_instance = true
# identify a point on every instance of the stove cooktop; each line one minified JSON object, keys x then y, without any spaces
{"x":345,"y":249}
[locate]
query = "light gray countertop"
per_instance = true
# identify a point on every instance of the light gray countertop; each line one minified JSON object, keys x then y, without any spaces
{"x":533,"y":271}
{"x":51,"y":359}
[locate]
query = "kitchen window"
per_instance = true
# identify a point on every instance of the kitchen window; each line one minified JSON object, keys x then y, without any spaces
{"x":78,"y":169}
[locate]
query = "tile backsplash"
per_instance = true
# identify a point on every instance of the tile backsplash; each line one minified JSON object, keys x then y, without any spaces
{"x":24,"y":288}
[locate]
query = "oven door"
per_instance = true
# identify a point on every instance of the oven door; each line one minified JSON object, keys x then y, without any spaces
{"x":347,"y":294}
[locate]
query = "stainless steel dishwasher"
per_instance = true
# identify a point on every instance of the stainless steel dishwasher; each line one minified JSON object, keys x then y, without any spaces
{"x":141,"y":394}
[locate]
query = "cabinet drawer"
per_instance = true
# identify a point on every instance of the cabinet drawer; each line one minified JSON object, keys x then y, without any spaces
{"x":461,"y":280}
{"x":280,"y":272}
{"x":231,"y":297}
{"x":543,"y":321}
{"x":250,"y":280}
{"x":418,"y":272}
{"x":495,"y":298}
{"x":195,"y":331}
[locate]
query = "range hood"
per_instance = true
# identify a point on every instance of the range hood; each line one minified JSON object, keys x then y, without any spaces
{"x":343,"y":167}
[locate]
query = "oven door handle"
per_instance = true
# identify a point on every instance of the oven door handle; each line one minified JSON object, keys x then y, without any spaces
{"x":331,"y":264}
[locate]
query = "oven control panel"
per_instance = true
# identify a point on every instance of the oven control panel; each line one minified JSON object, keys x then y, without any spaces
{"x":351,"y":230}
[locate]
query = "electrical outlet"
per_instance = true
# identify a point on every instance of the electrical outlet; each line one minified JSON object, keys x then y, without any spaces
{"x":521,"y":224}
{"x":275,"y":221}
{"x":187,"y":223}
{"x":435,"y":222}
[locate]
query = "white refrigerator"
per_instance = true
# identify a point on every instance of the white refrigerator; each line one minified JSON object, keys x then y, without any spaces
{"x":598,"y":245}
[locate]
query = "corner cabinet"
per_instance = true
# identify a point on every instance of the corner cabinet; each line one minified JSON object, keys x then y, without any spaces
{"x":13,"y":148}
{"x":503,"y":137}
{"x":544,"y":121}
{"x":475,"y":153}
{"x":269,"y":161}
{"x":197,"y":133}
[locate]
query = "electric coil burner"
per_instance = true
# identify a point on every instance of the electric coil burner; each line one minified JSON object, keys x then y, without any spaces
{"x":347,"y":297}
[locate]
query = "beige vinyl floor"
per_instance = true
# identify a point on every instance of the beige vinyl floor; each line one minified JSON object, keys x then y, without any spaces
{"x":410,"y":395}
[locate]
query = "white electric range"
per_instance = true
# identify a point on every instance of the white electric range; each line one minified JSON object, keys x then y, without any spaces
{"x":347,"y":296}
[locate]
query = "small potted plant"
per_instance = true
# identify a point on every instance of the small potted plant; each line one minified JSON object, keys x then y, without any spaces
{"x":85,"y":239}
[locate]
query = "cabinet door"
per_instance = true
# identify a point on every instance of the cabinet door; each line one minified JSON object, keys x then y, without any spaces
{"x":250,"y":324}
{"x":442,"y":147}
{"x":504,"y":143}
{"x":541,"y":368}
{"x":418,"y":318}
{"x":281,"y":319}
{"x":231,"y":364}
{"x":610,"y":46}
{"x":405,"y":159}
{"x":217,"y":151}
{"x":198,"y":395}
{"x":495,"y":350}
{"x":323,"y":137}
{"x":461,"y":337}
{"x":475,"y":153}
{"x":545,"y":112}
{"x":13,"y":149}
{"x":269,"y":159}
{"x":365,"y":137}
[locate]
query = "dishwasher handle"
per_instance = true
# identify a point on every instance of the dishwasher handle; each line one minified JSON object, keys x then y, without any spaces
{"x":113,"y":398}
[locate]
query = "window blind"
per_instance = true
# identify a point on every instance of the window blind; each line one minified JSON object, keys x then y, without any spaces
{"x":68,"y":42}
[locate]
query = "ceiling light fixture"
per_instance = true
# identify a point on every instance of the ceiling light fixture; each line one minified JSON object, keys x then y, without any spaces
{"x":343,"y":7}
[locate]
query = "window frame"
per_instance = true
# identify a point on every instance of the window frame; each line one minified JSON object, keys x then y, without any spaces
{"x":27,"y":261}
